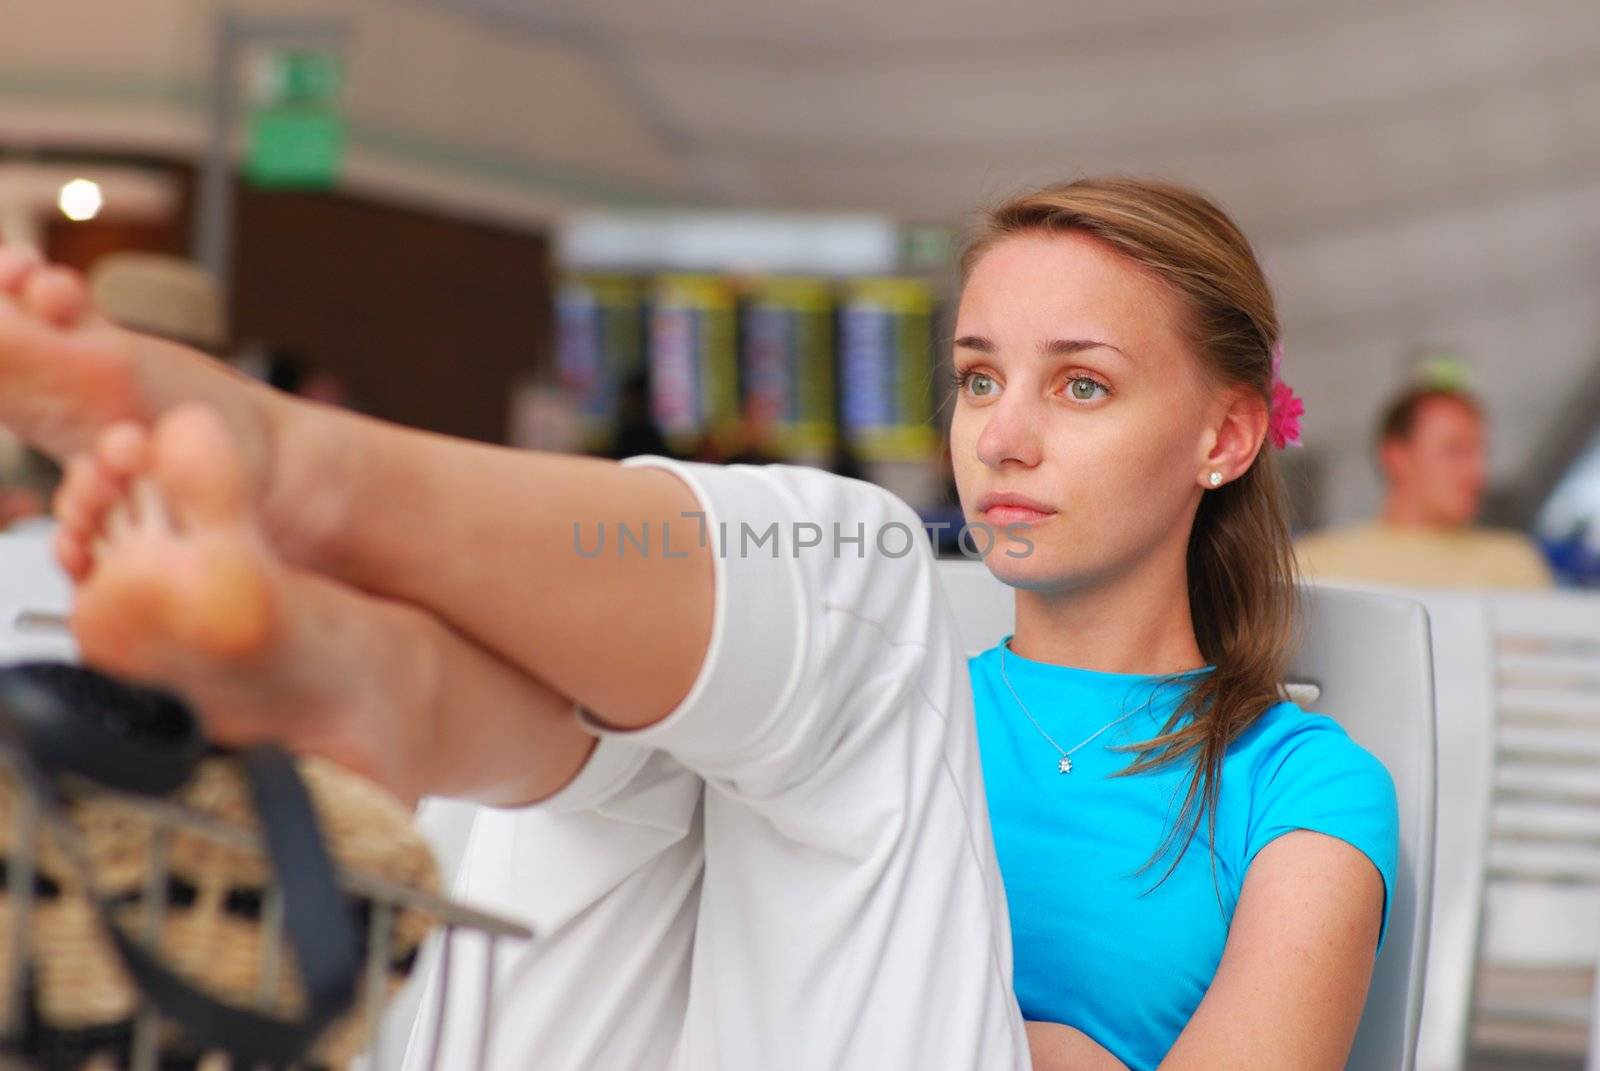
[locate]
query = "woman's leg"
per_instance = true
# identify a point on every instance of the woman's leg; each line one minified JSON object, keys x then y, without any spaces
{"x":486,"y":538}
{"x":184,"y":590}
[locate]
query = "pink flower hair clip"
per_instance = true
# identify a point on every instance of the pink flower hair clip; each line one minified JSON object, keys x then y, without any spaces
{"x":1283,"y":416}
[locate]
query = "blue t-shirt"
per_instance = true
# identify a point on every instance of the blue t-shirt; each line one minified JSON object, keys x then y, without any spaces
{"x":1097,"y":943}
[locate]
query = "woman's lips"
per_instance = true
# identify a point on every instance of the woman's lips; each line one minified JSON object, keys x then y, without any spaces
{"x":1002,"y":516}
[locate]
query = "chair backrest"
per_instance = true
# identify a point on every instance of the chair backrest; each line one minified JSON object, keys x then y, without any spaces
{"x":1463,"y":646}
{"x":1464,"y":684}
{"x":1367,"y":659}
{"x":1541,"y":926}
{"x":1372,"y":658}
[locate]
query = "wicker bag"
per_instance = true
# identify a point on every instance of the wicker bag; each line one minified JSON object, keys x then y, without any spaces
{"x":179,"y":900}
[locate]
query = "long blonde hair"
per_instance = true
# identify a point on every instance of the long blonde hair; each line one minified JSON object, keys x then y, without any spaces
{"x":1241,"y":568}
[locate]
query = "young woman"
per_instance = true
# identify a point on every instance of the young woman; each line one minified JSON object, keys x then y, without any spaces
{"x":1197,"y":872}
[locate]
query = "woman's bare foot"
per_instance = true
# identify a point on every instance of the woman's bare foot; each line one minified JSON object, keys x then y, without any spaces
{"x":178,"y":586}
{"x":67,"y":374}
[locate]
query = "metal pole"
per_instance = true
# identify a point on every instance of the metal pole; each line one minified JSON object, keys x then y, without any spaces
{"x":214,"y":200}
{"x":213,"y":209}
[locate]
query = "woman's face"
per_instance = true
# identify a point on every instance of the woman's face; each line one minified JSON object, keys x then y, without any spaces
{"x":1082,"y":417}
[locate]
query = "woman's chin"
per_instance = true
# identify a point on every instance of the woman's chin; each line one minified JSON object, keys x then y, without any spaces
{"x":1021,"y":564}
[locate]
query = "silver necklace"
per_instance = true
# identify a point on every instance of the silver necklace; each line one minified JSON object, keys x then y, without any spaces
{"x":1065,"y":765}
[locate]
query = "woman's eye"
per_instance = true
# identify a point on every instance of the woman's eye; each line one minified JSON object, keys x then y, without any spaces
{"x":1084,"y":389}
{"x":978,"y":383}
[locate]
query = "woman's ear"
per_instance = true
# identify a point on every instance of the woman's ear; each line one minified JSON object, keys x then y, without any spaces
{"x":1238,"y":428}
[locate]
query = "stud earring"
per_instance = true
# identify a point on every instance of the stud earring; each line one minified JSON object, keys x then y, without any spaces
{"x":1216,"y":479}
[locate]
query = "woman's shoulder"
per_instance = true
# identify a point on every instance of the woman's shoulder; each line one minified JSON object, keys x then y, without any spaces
{"x":1290,"y":741}
{"x":1301,"y":763}
{"x":1287,"y":722}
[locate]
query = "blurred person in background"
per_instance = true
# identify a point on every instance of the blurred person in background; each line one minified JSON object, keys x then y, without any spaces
{"x":289,"y":370}
{"x":637,"y":431}
{"x":844,"y":462}
{"x":1433,"y":453}
{"x":745,"y":441}
{"x":546,"y":415}
{"x":751,"y":440}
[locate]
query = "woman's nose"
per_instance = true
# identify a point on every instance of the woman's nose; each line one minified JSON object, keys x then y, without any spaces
{"x":1010,"y":433}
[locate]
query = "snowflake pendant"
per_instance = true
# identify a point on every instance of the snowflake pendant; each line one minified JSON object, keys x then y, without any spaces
{"x":1065,"y":765}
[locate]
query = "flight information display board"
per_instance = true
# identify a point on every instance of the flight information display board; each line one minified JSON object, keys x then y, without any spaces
{"x":795,"y":364}
{"x":600,"y":344}
{"x":694,"y":358}
{"x":886,"y":368}
{"x":788,"y":363}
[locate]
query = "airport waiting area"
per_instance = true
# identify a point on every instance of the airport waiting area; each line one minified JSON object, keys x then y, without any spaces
{"x":540,"y":536}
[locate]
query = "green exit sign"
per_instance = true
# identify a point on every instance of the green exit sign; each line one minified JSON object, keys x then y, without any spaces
{"x":304,"y":78}
{"x":297,"y":135}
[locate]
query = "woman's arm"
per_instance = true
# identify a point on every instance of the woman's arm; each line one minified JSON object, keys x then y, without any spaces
{"x":1063,"y":1048}
{"x":1293,"y":980}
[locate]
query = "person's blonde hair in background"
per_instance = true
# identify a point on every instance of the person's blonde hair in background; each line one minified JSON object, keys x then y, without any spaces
{"x":1433,"y":452}
{"x":161,"y":294}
